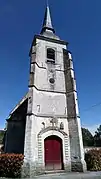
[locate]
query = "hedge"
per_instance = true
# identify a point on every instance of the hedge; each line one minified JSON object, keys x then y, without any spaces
{"x":93,"y":160}
{"x":10,"y":165}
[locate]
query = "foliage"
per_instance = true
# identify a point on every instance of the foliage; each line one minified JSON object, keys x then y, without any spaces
{"x":10,"y":165}
{"x":88,"y":139}
{"x":93,"y":160}
{"x":1,"y":136}
{"x":97,"y":137}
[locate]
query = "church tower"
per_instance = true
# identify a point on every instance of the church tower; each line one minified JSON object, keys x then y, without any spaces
{"x":53,"y":138}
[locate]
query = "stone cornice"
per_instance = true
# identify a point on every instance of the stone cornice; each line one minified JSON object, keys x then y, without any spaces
{"x":46,"y":116}
{"x":44,"y":90}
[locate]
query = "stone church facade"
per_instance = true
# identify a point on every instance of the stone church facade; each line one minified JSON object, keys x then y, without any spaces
{"x":45,"y":125}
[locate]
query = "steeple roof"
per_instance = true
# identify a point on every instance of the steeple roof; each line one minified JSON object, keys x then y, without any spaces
{"x":47,"y":23}
{"x":47,"y":32}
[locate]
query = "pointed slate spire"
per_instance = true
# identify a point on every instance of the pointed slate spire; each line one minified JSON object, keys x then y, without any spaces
{"x":47,"y":23}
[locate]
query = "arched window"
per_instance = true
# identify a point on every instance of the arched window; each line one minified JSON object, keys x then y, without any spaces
{"x":51,"y":55}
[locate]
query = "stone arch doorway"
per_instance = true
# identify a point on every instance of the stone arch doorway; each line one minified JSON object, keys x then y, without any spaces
{"x":53,"y":153}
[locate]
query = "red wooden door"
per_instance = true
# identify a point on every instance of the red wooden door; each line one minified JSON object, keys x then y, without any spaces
{"x":53,"y":153}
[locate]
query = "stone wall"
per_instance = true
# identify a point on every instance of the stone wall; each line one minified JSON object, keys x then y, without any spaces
{"x":14,"y":139}
{"x":74,"y":126}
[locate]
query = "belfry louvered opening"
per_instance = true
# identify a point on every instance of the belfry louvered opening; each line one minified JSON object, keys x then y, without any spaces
{"x":50,"y":55}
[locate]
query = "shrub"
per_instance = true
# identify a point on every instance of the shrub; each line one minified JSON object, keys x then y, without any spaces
{"x":93,"y":160}
{"x":10,"y":165}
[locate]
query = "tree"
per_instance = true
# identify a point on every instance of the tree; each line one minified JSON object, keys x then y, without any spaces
{"x":2,"y":139}
{"x":88,"y":139}
{"x":1,"y":136}
{"x":97,"y":137}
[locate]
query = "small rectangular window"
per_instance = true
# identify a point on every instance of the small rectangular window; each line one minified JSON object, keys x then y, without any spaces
{"x":50,"y":55}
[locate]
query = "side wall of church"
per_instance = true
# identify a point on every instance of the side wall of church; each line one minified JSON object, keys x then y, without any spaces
{"x":14,"y":141}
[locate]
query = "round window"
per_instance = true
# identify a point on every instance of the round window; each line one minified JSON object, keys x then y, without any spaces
{"x":51,"y":80}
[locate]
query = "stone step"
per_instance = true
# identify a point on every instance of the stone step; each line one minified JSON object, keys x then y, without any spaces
{"x":54,"y":171}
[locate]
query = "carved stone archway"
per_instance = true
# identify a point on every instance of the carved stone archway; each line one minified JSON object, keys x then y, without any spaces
{"x":46,"y":132}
